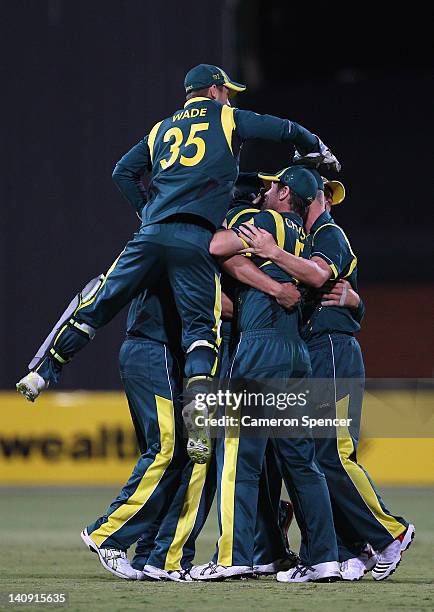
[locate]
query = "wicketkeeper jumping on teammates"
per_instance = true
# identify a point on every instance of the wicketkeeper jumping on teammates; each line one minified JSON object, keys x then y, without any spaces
{"x":192,"y":157}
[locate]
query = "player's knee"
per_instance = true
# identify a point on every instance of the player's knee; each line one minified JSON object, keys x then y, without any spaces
{"x":201,"y":359}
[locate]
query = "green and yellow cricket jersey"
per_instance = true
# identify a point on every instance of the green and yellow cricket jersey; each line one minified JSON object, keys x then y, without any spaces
{"x":193,"y":159}
{"x":328,"y":241}
{"x":242,"y":212}
{"x":257,"y":310}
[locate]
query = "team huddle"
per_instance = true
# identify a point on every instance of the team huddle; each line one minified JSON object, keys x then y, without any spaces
{"x":244,"y":279}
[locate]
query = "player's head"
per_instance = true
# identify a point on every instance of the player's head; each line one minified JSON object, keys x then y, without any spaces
{"x":292,"y":189}
{"x":334,"y":193}
{"x":208,"y":81}
{"x":319,"y":202}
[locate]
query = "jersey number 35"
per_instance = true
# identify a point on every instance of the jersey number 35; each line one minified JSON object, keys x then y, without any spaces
{"x":192,"y":141}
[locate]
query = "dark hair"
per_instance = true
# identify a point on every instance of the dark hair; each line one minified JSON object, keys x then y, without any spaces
{"x":297,"y":204}
{"x":201,"y":93}
{"x":329,"y":190}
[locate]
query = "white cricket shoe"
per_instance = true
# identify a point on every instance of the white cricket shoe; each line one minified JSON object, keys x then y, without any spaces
{"x":199,"y":444}
{"x":180,"y":575}
{"x":356,"y":567}
{"x":213,"y":571}
{"x":280,"y":565}
{"x":389,"y":558}
{"x":31,"y":386}
{"x":113,"y":560}
{"x":150,"y":572}
{"x":321,"y":572}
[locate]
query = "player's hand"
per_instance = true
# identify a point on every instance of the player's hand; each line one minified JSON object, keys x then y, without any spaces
{"x":288,"y":295}
{"x":342,"y":295}
{"x":260,"y":241}
{"x":322,"y":157}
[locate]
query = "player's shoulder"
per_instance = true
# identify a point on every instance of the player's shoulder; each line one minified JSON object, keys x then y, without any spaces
{"x":269,"y":220}
{"x":324,"y":226}
{"x":330,"y":234}
{"x":240,"y":214}
{"x":267,"y":213}
{"x":268,"y":216}
{"x":329,"y":229}
{"x":280,"y":226}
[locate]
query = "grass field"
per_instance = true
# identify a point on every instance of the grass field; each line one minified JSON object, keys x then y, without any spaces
{"x":42,"y":552}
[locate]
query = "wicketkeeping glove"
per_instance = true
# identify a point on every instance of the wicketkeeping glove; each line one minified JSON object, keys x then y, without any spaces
{"x":323,"y":157}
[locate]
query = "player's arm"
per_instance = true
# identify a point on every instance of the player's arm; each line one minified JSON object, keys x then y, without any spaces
{"x":359,"y":312}
{"x":226,"y":243}
{"x":313,"y":272}
{"x":343,"y":295}
{"x":246,"y":272}
{"x":248,"y":125}
{"x":128,"y":172}
{"x":227,"y":307}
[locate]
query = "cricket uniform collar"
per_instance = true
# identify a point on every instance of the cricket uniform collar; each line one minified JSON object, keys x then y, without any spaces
{"x":324,"y":218}
{"x":198,"y":99}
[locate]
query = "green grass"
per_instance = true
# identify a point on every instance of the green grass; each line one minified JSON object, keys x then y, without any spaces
{"x":41,"y":551}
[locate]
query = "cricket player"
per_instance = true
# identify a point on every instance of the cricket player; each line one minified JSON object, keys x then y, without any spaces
{"x":165,"y":503}
{"x":246,"y":202}
{"x":192,"y":158}
{"x":274,"y":515}
{"x":269,"y":348}
{"x":360,"y":514}
{"x":168,"y":552}
{"x":152,"y":381}
{"x":148,"y":510}
{"x":171,"y":554}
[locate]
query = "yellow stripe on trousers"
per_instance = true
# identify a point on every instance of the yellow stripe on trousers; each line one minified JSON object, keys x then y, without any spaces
{"x":150,"y":479}
{"x":187,"y":517}
{"x":358,"y":476}
{"x":93,"y":298}
{"x":217,"y":318}
{"x":227,"y":496}
{"x":227,"y":505}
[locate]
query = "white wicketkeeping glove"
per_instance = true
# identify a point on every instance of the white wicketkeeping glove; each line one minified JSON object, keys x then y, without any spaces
{"x":322,"y":157}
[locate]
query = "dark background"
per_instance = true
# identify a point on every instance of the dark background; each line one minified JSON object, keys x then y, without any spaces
{"x":83,"y":81}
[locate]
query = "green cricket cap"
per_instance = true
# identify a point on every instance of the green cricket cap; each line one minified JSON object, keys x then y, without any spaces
{"x":300,"y":180}
{"x":205,"y":75}
{"x":317,"y":176}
